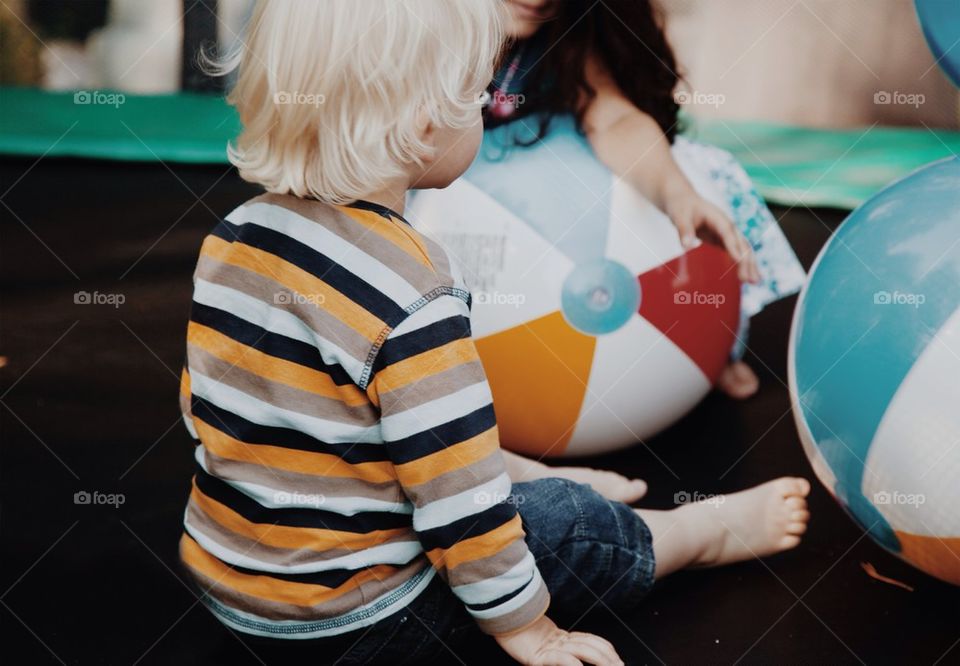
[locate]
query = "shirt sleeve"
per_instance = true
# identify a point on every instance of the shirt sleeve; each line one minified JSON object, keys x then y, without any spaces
{"x":185,"y":397}
{"x":440,"y":432}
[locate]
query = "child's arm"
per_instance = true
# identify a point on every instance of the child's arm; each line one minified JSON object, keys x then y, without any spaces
{"x":632,"y":145}
{"x":437,"y":422}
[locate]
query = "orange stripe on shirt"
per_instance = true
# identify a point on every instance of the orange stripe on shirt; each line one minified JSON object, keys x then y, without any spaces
{"x":271,"y":367}
{"x":423,"y":365}
{"x":295,"y":279}
{"x":291,"y":460}
{"x":185,"y":389}
{"x":268,"y":587}
{"x":296,"y":538}
{"x":478,"y":547}
{"x":449,"y":459}
{"x":395,"y":232}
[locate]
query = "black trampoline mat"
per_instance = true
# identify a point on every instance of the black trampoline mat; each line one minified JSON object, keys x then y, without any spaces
{"x":90,"y":404}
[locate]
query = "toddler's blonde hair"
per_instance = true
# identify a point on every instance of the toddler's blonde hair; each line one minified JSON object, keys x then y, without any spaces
{"x":330,"y":92}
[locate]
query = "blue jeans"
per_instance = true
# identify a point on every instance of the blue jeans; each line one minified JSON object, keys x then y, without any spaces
{"x":588,"y":550}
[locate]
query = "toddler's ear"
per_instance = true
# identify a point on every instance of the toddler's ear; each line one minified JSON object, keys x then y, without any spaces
{"x":426,"y":132}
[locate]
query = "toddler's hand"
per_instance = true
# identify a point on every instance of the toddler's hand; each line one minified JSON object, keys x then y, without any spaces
{"x":695,"y":216}
{"x":543,"y":643}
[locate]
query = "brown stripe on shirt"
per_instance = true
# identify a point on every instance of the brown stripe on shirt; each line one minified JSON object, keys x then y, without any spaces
{"x":266,"y":290}
{"x":264,"y":474}
{"x":273,"y":555}
{"x":459,"y":480}
{"x":521,"y":617}
{"x":488,"y":567}
{"x":370,"y":242}
{"x":352,"y":599}
{"x":432,"y":387}
{"x":280,"y":395}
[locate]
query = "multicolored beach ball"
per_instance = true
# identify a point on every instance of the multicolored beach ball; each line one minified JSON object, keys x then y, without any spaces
{"x":874,"y":368}
{"x":595,"y":328}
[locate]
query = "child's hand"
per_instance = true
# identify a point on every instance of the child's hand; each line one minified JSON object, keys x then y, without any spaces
{"x":543,"y":643}
{"x":694,"y":217}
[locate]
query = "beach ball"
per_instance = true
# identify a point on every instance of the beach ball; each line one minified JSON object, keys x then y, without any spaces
{"x":874,"y":368}
{"x":595,"y":328}
{"x":940,"y":20}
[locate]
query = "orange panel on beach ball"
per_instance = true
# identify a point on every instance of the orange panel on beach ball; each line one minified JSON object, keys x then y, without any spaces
{"x":938,"y":556}
{"x":542,"y":403}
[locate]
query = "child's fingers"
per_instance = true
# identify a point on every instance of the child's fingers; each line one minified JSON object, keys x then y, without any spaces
{"x":717,"y":221}
{"x":739,"y":248}
{"x":600,"y":640}
{"x":586,"y":653}
{"x":730,"y":236}
{"x":688,"y":234}
{"x":593,"y":649}
{"x":558,"y":658}
{"x":750,"y":261}
{"x":755,"y":268}
{"x":746,"y":259}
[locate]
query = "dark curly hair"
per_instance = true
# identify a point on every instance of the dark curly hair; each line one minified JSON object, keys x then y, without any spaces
{"x":628,"y":38}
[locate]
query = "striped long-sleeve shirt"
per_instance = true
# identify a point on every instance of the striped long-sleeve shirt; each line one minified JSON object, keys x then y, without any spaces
{"x":347,"y":447}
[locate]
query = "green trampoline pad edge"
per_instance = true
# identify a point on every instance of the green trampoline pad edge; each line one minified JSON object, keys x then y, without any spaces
{"x":801,"y":166}
{"x":183,"y":127}
{"x":790,"y":165}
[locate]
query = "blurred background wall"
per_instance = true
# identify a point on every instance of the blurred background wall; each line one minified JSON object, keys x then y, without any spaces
{"x":812,"y":63}
{"x":820,"y":63}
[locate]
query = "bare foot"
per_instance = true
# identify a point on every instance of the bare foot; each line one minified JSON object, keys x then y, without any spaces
{"x":757,"y":522}
{"x":611,"y":485}
{"x":738,"y":380}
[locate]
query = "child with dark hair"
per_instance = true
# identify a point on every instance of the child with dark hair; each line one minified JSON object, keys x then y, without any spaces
{"x":610,"y":66}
